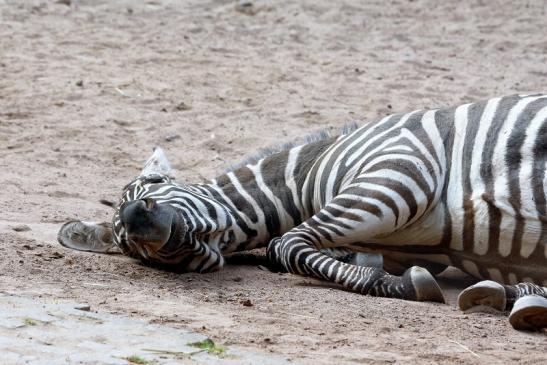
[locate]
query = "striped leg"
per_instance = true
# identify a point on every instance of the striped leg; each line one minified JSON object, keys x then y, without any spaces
{"x":343,"y":255}
{"x":298,"y":256}
{"x":355,"y":258}
{"x":86,"y":236}
{"x":529,"y":313}
{"x":501,"y":297}
{"x":527,"y":302}
{"x":377,"y":202}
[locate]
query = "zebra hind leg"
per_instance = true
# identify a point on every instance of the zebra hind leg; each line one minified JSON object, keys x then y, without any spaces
{"x":86,"y":236}
{"x":486,"y":293}
{"x":527,"y":302}
{"x":529,"y":313}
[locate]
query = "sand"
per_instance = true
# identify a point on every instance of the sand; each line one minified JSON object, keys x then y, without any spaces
{"x":87,"y":90}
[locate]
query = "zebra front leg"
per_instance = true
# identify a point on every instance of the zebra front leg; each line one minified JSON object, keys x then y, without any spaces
{"x":527,"y":302}
{"x":86,"y":236}
{"x":298,"y":256}
{"x":343,"y":255}
{"x":355,"y":258}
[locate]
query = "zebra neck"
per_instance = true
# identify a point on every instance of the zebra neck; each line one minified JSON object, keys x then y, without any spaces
{"x":264,"y":199}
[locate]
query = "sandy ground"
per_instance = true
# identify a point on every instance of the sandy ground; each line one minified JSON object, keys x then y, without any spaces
{"x":87,"y":90}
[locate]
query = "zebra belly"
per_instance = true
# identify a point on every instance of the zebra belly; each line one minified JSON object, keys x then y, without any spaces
{"x":490,"y":241}
{"x":413,"y":245}
{"x":494,"y":192}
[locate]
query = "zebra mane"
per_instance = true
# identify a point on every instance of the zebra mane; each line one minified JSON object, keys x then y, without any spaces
{"x":310,"y":138}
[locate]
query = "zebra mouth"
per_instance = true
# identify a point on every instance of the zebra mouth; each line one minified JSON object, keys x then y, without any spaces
{"x":149,"y":225}
{"x":165,"y":250}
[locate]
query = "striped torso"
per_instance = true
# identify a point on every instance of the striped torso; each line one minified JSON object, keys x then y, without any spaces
{"x":458,"y":186}
{"x":483,"y":167}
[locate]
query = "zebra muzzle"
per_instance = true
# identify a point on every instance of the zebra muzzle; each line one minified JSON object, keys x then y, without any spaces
{"x":147,"y":223}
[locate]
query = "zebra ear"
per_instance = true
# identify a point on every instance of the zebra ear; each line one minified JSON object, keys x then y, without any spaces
{"x":157,"y":164}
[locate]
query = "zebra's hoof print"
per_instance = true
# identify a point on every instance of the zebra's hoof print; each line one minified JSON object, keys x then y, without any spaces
{"x":369,"y":208}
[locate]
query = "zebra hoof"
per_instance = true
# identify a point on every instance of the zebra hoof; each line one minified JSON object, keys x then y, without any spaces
{"x":529,"y":313}
{"x":424,"y":284}
{"x":86,"y":236}
{"x":486,"y":293}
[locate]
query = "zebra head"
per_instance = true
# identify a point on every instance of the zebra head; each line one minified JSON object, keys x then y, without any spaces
{"x":163,"y":222}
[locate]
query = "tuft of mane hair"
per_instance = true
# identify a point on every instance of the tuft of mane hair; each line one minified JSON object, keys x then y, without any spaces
{"x":310,"y":138}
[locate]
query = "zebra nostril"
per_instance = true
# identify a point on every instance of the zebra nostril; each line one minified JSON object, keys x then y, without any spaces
{"x":132,"y":212}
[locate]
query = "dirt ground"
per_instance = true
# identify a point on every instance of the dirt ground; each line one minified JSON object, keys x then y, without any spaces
{"x":87,"y":90}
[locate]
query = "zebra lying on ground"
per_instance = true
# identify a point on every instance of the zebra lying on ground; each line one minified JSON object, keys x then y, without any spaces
{"x":463,"y":186}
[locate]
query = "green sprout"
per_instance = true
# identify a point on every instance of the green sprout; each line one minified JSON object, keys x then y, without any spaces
{"x":30,"y":322}
{"x":209,"y":346}
{"x":135,"y":359}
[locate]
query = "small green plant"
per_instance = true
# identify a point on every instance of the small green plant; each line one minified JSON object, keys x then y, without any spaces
{"x":135,"y":359}
{"x":30,"y":322}
{"x":209,"y":346}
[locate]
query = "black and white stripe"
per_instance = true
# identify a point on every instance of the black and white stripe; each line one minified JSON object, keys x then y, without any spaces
{"x":463,"y":186}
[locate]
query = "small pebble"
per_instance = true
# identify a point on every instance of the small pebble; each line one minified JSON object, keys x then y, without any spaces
{"x":172,"y":137}
{"x":246,"y":7}
{"x":182,"y":106}
{"x":83,"y":307}
{"x":57,"y":255}
{"x":21,"y":228}
{"x":247,"y":303}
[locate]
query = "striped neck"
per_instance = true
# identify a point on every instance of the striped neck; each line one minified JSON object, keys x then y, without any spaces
{"x":264,"y":199}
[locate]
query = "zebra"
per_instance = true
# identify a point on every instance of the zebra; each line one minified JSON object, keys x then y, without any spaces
{"x":461,"y":186}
